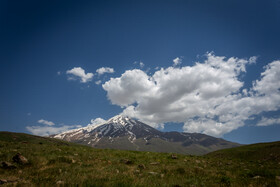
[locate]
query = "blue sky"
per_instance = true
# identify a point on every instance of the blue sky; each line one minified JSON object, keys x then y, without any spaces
{"x":197,"y":59}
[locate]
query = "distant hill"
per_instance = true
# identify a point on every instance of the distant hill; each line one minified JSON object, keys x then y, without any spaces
{"x":124,"y":133}
{"x":52,"y":162}
{"x":261,"y":152}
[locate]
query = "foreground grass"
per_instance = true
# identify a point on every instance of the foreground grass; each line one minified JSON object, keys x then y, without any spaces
{"x":53,"y":162}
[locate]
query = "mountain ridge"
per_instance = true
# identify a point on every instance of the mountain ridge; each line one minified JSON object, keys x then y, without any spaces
{"x":122,"y":132}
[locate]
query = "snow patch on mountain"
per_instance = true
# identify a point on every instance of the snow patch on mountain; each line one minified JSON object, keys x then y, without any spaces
{"x":125,"y":133}
{"x":115,"y":126}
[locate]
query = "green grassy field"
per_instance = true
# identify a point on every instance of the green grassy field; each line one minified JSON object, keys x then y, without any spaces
{"x":53,"y":162}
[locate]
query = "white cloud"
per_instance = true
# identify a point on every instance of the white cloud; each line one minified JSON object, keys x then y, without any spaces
{"x":269,"y":84}
{"x":253,"y":59}
{"x":103,"y":70}
{"x":98,"y":82}
{"x":49,"y":130}
{"x":129,"y":87}
{"x":45,"y":122}
{"x":78,"y":72}
{"x":208,"y":97}
{"x":177,"y":61}
{"x":96,"y":121}
{"x":207,"y":126}
{"x":268,"y":121}
{"x":141,"y":64}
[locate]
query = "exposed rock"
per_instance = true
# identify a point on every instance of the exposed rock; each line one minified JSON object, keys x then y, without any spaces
{"x":18,"y":158}
{"x":137,"y":171}
{"x":60,"y":182}
{"x":174,"y":156}
{"x":126,"y":161}
{"x":8,"y":165}
{"x":256,"y":177}
{"x":141,"y":166}
{"x":277,"y":177}
{"x":154,"y":163}
{"x":153,"y":173}
{"x":197,"y":161}
{"x":3,"y":181}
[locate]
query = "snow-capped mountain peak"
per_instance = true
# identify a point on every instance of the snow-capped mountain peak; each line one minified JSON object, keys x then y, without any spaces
{"x":125,"y":133}
{"x":114,"y":127}
{"x":119,"y":119}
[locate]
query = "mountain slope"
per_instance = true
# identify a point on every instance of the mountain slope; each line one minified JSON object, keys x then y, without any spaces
{"x":125,"y":133}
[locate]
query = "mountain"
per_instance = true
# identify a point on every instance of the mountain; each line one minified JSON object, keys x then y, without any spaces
{"x":121,"y":132}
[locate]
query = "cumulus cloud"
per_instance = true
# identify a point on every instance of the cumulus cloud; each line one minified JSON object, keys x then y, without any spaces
{"x":96,"y":121}
{"x":127,"y":89}
{"x":103,"y":70}
{"x":207,"y":97}
{"x":79,"y":73}
{"x":177,"y":61}
{"x":269,"y":83}
{"x":49,"y":130}
{"x":268,"y":121}
{"x":45,"y":122}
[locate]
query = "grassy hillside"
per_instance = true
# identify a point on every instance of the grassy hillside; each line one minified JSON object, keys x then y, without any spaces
{"x":269,"y":152}
{"x":52,"y":162}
